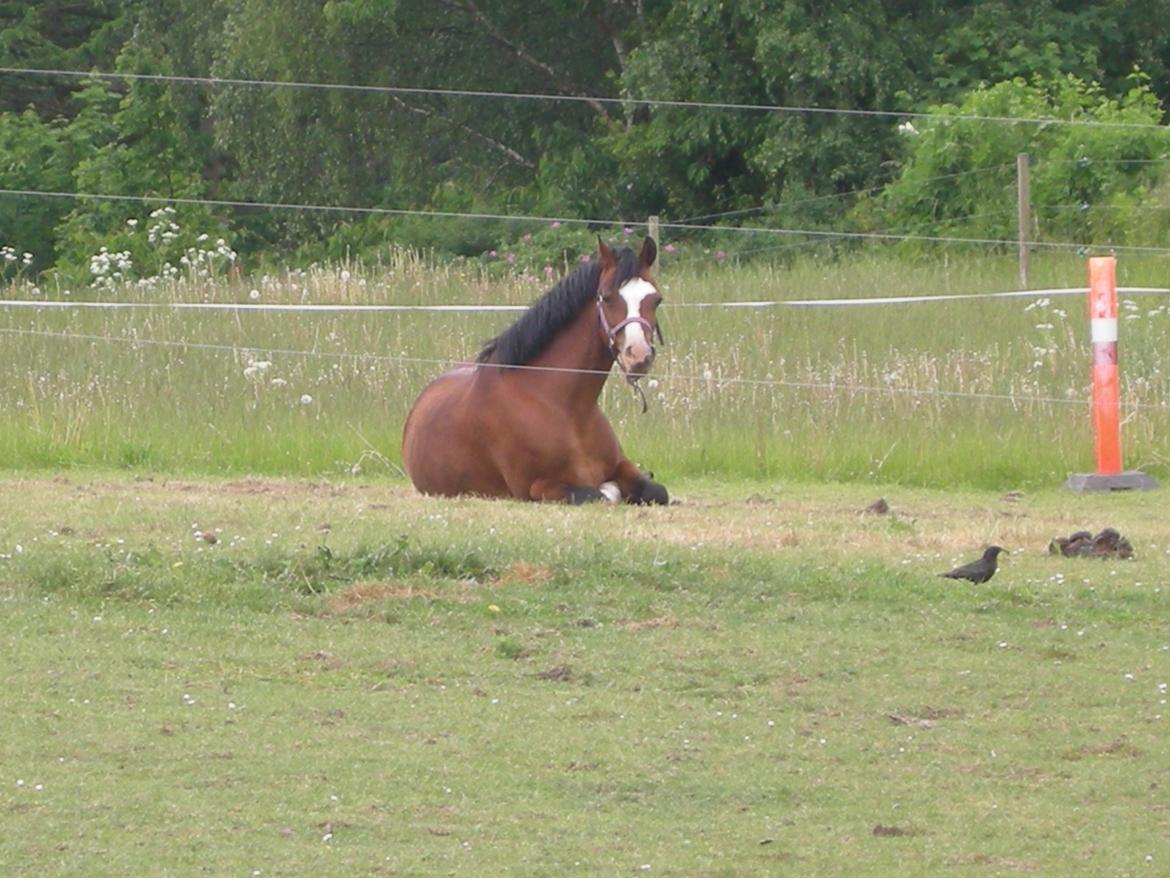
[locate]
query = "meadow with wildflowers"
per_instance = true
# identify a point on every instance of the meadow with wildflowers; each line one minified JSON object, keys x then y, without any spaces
{"x":217,"y":666}
{"x":984,"y":392}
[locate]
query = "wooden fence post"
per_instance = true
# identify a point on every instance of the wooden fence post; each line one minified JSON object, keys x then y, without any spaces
{"x":1023,"y":214}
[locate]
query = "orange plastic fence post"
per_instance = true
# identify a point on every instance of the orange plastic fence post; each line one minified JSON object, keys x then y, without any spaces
{"x":1106,"y":377}
{"x":1106,"y":388}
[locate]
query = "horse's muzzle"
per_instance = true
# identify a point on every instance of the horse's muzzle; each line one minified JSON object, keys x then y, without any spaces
{"x":636,"y":360}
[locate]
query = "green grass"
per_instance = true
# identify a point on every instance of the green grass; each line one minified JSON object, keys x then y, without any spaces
{"x":353,"y":679}
{"x":985,"y":393}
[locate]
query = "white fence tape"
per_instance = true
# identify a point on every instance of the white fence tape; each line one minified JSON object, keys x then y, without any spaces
{"x":251,"y":306}
{"x":914,"y":300}
{"x":471,"y":309}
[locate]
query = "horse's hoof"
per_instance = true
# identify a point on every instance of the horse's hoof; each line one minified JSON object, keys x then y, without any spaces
{"x":611,"y":491}
{"x":653,"y":493}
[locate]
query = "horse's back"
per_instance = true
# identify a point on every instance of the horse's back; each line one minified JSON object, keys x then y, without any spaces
{"x":443,"y":440}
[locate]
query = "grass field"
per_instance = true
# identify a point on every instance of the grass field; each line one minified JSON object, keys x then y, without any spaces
{"x":237,"y":643}
{"x":760,"y":680}
{"x":983,"y":393}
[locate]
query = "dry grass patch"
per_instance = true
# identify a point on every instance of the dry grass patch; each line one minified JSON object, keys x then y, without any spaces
{"x":525,"y":573}
{"x":365,"y":593}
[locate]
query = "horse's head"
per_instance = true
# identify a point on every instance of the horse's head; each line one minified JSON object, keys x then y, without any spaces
{"x":627,"y":304}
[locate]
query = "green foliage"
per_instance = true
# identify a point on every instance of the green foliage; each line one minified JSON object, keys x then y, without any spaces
{"x":360,"y":13}
{"x":396,"y":150}
{"x":31,"y":154}
{"x":1101,"y":41}
{"x":145,"y":150}
{"x":763,"y":53}
{"x":57,"y":35}
{"x":549,"y":251}
{"x":1087,"y":181}
{"x":416,"y":151}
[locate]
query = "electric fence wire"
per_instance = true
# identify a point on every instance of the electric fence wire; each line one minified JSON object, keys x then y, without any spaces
{"x":1078,"y":247}
{"x":626,"y":101}
{"x":1016,"y":400}
{"x":40,"y":304}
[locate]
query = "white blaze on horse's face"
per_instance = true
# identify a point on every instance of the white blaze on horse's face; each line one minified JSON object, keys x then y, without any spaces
{"x":637,"y":352}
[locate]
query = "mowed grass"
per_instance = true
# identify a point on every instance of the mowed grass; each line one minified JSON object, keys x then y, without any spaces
{"x":763,"y":679}
{"x":989,"y":393}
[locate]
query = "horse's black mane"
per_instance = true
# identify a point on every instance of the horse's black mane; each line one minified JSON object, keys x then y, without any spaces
{"x":525,"y":339}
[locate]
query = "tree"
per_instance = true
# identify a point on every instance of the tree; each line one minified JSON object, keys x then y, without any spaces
{"x":431,"y":144}
{"x":30,"y":158}
{"x":409,"y":149}
{"x":987,"y":41}
{"x":57,"y":35}
{"x":764,"y":52}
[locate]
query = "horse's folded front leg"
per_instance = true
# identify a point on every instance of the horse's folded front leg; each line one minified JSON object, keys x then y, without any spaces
{"x":554,"y":492}
{"x":630,"y":485}
{"x":580,"y":494}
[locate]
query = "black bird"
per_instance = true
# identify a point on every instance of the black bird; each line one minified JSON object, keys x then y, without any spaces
{"x":977,"y":571}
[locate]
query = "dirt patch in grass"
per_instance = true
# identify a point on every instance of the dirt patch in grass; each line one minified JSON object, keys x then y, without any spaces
{"x":559,"y":673}
{"x":804,"y":518}
{"x":1119,"y":747}
{"x":884,"y":831}
{"x":252,"y":486}
{"x":925,"y":717}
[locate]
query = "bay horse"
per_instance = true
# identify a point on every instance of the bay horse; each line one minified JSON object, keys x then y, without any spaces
{"x":523,"y":420}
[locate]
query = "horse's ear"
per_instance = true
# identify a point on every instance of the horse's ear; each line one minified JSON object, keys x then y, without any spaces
{"x":649,"y":253}
{"x":605,"y":255}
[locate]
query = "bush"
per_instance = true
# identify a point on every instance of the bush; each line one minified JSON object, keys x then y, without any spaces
{"x":1087,"y":179}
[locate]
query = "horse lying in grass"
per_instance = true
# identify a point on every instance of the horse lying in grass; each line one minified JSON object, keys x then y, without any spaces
{"x":524,"y":421}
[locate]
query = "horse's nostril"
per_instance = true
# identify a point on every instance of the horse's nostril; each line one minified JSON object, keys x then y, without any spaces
{"x":638,"y":357}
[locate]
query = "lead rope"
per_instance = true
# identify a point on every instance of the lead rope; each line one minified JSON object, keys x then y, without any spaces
{"x":641,"y":394}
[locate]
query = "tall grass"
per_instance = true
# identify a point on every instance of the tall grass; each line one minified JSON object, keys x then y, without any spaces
{"x":988,"y":393}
